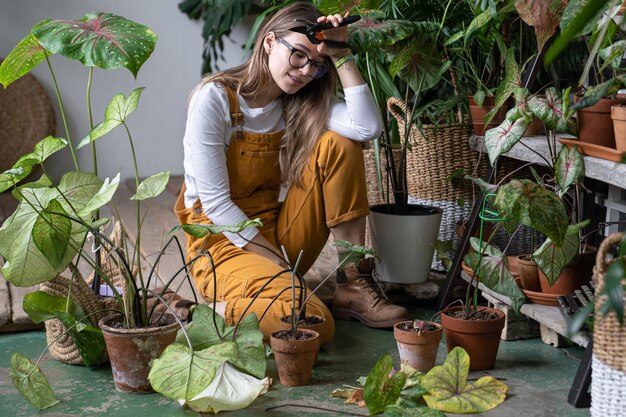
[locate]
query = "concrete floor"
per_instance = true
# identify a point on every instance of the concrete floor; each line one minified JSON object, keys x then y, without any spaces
{"x":538,"y":376}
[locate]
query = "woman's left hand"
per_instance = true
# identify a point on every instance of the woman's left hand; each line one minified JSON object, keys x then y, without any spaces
{"x":339,"y":33}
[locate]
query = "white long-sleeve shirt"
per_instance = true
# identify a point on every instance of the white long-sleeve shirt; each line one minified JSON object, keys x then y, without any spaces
{"x":208,"y":133}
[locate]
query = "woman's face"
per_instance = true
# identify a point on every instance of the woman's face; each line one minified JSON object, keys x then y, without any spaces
{"x":288,"y":52}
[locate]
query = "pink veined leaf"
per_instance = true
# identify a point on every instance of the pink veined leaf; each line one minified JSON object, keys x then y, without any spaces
{"x":543,"y":15}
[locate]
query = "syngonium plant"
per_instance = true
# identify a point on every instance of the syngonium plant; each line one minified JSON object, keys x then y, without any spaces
{"x":46,"y":233}
{"x":544,"y":204}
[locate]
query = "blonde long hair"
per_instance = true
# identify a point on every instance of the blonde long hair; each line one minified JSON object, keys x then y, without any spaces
{"x":305,"y":112}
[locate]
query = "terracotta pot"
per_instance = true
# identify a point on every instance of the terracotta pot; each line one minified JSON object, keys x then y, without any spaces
{"x":575,"y":274}
{"x":595,"y":124}
{"x":295,"y":358}
{"x":528,"y":273}
{"x":535,"y":128}
{"x":478,"y":113}
{"x":131,"y":350}
{"x":618,"y":114}
{"x":419,"y":350}
{"x":479,"y":338}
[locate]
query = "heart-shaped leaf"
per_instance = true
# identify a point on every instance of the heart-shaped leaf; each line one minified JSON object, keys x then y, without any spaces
{"x":181,"y":373}
{"x":512,"y":80}
{"x":543,"y":15}
{"x":381,"y":389}
{"x":52,"y":232}
{"x":501,"y":139}
{"x":115,"y":114}
{"x":569,"y":167}
{"x":229,"y":390}
{"x":551,"y":258}
{"x":249,"y":340}
{"x":419,"y":64}
{"x":88,"y":339}
{"x":152,"y":186}
{"x":31,"y":382}
{"x":530,"y":204}
{"x":597,"y":92}
{"x":548,"y":109}
{"x":494,"y":273}
{"x":449,"y":391}
{"x":102,"y":197}
{"x":372,"y":32}
{"x":41,"y":306}
{"x":102,"y":40}
{"x":25,"y":264}
{"x":613,"y":54}
{"x":22,"y":59}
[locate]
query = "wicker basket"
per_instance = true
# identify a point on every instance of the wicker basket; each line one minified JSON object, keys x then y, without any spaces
{"x":62,"y":347}
{"x":608,"y":378}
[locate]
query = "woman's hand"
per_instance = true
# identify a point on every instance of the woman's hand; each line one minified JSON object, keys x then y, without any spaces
{"x":339,"y":33}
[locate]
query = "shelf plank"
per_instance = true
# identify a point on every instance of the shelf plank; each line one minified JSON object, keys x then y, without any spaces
{"x":526,"y":150}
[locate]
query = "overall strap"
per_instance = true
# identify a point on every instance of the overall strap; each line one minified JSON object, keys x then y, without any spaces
{"x":236,"y":116}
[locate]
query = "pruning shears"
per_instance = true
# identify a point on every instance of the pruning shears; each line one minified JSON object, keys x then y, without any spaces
{"x":315,"y":32}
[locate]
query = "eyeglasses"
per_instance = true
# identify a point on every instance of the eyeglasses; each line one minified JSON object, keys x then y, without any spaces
{"x":299,"y":59}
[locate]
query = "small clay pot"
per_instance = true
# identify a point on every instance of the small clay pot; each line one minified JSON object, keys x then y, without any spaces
{"x":295,"y":358}
{"x":417,"y":349}
{"x":528,"y":273}
{"x":595,"y":124}
{"x":131,"y":350}
{"x":479,"y":338}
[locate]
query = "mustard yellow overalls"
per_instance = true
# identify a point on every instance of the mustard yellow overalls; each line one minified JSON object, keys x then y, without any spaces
{"x":333,"y":192}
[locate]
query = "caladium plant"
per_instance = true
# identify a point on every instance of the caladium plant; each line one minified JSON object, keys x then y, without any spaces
{"x":539,"y":203}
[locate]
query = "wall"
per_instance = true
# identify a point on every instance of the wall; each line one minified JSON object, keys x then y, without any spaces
{"x":169,"y":75}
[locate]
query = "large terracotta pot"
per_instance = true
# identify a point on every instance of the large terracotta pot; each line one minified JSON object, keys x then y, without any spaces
{"x":618,"y":114}
{"x":575,"y":274}
{"x":131,"y":350}
{"x":417,"y":349}
{"x":595,"y":124}
{"x":479,"y":338}
{"x":478,"y":113}
{"x":295,"y":358}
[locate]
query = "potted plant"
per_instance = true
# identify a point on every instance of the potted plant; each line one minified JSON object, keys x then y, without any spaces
{"x":46,"y":233}
{"x":388,"y":43}
{"x":418,"y":343}
{"x":603,"y":73}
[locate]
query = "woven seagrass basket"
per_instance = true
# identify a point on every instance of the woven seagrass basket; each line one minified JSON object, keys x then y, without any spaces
{"x":26,"y":117}
{"x":608,"y":366}
{"x":62,"y":347}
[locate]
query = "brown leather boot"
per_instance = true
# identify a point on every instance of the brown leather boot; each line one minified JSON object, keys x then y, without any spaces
{"x":363,"y":299}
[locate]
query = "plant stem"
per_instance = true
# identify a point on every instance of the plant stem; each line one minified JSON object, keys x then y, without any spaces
{"x":144,"y":312}
{"x":94,"y":154}
{"x":62,"y":108}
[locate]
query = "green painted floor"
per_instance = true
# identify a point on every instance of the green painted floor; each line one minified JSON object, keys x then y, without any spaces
{"x":538,"y":376}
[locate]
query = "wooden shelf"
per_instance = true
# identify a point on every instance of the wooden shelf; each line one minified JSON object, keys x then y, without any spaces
{"x":549,"y":316}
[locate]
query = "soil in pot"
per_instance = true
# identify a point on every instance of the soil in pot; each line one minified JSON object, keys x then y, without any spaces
{"x":528,"y":273}
{"x":295,"y":356}
{"x":131,"y":350}
{"x":311,"y":322}
{"x":479,"y":335}
{"x":418,"y":343}
{"x":575,"y":274}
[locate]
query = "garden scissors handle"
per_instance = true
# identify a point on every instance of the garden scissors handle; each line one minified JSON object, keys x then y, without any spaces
{"x":315,"y":35}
